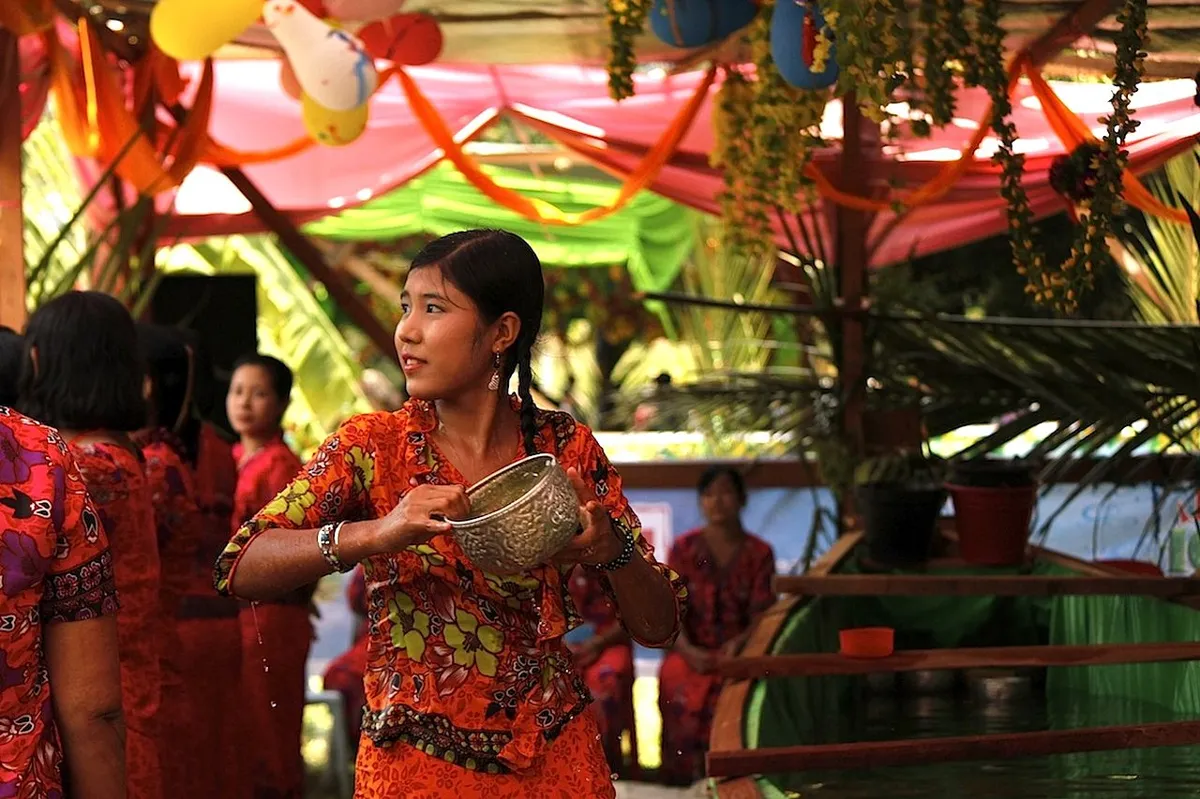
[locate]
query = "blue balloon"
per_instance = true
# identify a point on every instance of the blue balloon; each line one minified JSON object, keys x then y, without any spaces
{"x":700,"y":22}
{"x":787,"y":45}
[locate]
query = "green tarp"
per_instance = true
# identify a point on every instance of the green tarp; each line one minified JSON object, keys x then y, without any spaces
{"x":651,"y":234}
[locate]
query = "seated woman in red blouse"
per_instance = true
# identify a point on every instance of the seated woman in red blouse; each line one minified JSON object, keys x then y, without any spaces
{"x":471,"y":690}
{"x":728,"y":573}
{"x":603,"y":651}
{"x":85,"y":378}
{"x":279,"y":632}
{"x":60,"y":677}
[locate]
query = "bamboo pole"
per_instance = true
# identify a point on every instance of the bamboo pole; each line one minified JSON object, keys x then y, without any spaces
{"x":984,"y":585}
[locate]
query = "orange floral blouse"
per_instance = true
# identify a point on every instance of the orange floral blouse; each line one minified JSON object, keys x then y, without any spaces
{"x":465,"y":665}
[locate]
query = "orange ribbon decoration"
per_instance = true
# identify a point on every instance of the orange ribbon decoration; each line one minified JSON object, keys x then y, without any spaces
{"x":539,"y":210}
{"x":1072,"y":132}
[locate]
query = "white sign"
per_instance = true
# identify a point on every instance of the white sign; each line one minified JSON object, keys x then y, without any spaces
{"x":656,"y":526}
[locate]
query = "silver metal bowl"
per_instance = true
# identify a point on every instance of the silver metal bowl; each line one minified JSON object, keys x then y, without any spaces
{"x":520,"y":516}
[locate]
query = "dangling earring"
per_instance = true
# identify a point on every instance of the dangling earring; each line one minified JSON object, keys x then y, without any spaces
{"x":494,"y":383}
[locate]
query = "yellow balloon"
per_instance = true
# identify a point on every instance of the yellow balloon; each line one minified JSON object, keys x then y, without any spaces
{"x":333,"y":128}
{"x":192,"y":30}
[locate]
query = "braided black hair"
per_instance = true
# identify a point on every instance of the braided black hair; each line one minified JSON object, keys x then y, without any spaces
{"x":501,"y":274}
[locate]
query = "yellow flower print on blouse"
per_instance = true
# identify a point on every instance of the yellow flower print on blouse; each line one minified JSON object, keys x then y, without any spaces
{"x":429,"y":555}
{"x":410,"y":626}
{"x":474,"y":644}
{"x":291,"y":502}
{"x":362,"y":465}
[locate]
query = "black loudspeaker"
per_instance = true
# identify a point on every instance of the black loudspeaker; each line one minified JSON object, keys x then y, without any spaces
{"x":221,"y":314}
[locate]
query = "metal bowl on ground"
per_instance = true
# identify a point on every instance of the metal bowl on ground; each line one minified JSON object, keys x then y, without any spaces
{"x":999,"y":687}
{"x":929,"y":681}
{"x":520,"y":516}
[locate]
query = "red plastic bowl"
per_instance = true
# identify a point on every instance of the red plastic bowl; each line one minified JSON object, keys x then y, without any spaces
{"x":867,"y":642}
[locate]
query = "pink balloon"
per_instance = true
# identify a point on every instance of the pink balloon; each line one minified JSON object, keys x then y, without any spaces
{"x":287,"y":80}
{"x":362,"y":10}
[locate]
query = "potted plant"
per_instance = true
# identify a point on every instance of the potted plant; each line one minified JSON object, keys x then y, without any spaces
{"x":900,"y":497}
{"x":993,"y":506}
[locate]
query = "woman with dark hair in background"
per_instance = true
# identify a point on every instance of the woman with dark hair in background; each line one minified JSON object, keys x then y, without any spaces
{"x":276,"y":635}
{"x":201,"y":666}
{"x":471,"y":690}
{"x":728,"y":573}
{"x":12,"y":353}
{"x":84,"y":377}
{"x":60,"y":676}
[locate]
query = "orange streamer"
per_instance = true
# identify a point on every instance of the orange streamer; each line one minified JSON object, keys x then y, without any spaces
{"x":23,"y":17}
{"x":1073,"y":132}
{"x":539,"y":210}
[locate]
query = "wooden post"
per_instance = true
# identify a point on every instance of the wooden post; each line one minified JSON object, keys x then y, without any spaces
{"x":12,"y":220}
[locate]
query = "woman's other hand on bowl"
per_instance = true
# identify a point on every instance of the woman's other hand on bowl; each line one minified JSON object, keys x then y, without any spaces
{"x":422,"y":514}
{"x":596,"y":541}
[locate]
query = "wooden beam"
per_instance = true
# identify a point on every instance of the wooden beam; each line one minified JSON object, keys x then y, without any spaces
{"x":12,"y":220}
{"x":984,"y":585}
{"x":1075,"y":25}
{"x":816,"y":665}
{"x":919,"y":751}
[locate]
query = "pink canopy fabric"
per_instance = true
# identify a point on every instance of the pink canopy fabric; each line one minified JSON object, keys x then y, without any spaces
{"x":570,"y":104}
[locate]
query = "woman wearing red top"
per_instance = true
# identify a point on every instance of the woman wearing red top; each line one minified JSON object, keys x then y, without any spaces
{"x":276,"y":635}
{"x":471,"y":690}
{"x":728,"y":573}
{"x":85,"y":378}
{"x":60,"y":677}
{"x":201,"y":664}
{"x":605,"y":655}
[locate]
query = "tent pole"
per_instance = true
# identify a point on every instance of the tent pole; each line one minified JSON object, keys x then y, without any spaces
{"x":12,"y":224}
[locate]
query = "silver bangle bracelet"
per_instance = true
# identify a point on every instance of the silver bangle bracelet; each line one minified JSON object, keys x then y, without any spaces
{"x":327,"y":541}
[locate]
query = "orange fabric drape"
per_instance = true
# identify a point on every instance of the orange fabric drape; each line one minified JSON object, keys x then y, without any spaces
{"x":100,"y":126}
{"x":1072,"y":132}
{"x":24,"y":17}
{"x":538,"y":210}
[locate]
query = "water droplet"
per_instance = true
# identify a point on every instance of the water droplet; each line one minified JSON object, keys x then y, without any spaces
{"x":274,"y":704}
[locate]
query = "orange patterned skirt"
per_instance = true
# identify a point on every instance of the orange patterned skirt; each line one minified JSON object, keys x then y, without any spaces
{"x":572,"y":768}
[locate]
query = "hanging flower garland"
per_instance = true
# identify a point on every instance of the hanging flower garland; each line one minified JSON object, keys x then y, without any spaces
{"x":1103,"y":195}
{"x":1046,"y":287}
{"x":626,"y":19}
{"x":765,"y":132}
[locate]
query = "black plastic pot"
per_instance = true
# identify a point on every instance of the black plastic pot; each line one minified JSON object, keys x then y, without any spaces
{"x":900,"y":522}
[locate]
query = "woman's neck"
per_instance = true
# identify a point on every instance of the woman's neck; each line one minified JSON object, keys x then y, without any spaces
{"x":477,"y":423}
{"x":252,"y":443}
{"x":725,"y":531}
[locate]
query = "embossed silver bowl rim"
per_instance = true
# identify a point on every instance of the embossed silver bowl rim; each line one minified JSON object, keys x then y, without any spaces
{"x":475,"y":521}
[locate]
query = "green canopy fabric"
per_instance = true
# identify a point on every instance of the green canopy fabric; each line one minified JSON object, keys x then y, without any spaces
{"x":651,"y":234}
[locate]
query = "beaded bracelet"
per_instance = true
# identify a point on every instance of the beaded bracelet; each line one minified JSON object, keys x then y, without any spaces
{"x":628,"y":547}
{"x":327,"y":540}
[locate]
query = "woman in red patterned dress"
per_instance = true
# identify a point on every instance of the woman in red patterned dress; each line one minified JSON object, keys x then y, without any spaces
{"x":85,"y":378}
{"x":605,"y":655}
{"x":276,"y":635}
{"x":60,"y":677}
{"x":201,"y":664}
{"x":728,"y":573}
{"x":471,"y":690}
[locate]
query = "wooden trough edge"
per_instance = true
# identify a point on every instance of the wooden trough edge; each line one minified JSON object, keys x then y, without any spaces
{"x":984,"y":585}
{"x":918,"y":751}
{"x":814,"y":665}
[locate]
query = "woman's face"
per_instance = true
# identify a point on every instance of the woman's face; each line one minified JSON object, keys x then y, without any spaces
{"x":444,"y":347}
{"x":720,"y":502}
{"x":253,"y":407}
